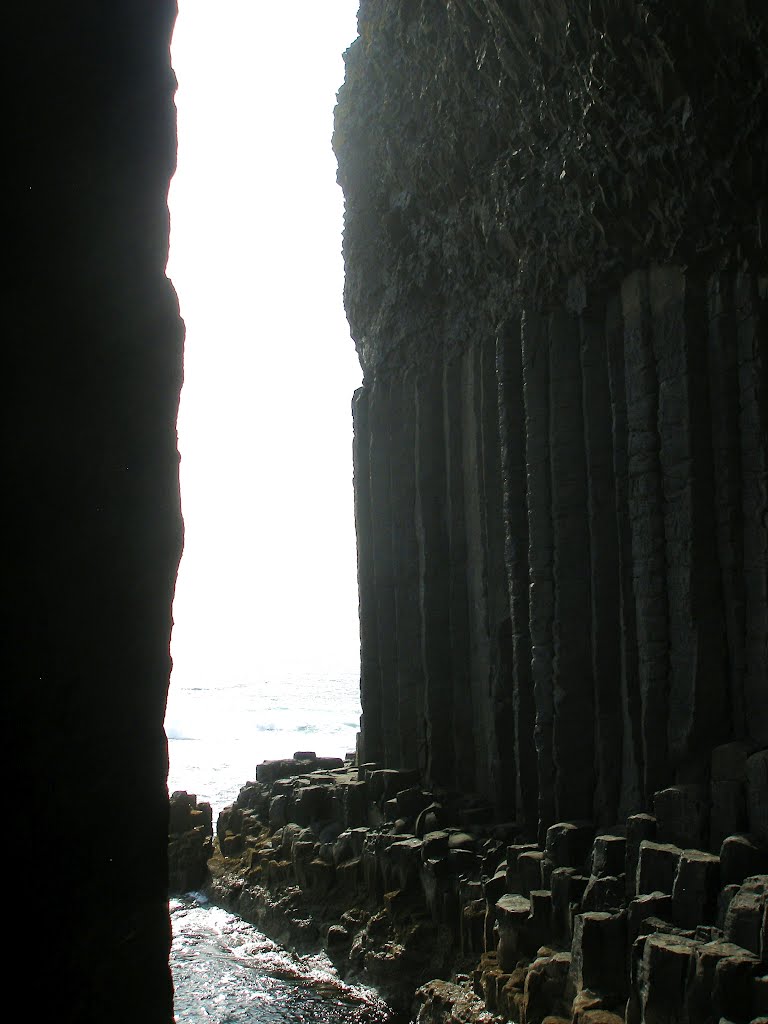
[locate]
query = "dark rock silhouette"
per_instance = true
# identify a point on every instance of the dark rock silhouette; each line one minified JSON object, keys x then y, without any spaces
{"x":559,"y":297}
{"x":91,"y":378}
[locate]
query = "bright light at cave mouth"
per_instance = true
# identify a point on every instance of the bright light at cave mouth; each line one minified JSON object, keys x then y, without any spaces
{"x":267,"y":581}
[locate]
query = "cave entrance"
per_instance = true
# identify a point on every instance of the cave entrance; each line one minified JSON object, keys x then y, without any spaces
{"x":266,"y":592}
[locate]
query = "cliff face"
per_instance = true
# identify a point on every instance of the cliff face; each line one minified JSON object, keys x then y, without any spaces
{"x":92,"y":372}
{"x":556,"y":281}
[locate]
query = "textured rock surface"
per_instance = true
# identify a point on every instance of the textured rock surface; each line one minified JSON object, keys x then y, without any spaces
{"x":556,"y":280}
{"x":466,"y":923}
{"x":190,"y":842}
{"x":91,"y":378}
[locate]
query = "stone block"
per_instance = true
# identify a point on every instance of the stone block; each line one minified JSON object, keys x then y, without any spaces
{"x":473,"y":916}
{"x":461,"y":841}
{"x":342,"y":847}
{"x":734,"y":986}
{"x":662,"y":978}
{"x":434,"y":844}
{"x":682,"y":815}
{"x":493,"y":855}
{"x":704,"y":995}
{"x":605,"y":893}
{"x":385,"y":783}
{"x":327,"y":764}
{"x":364,"y":770}
{"x":412,"y":801}
{"x":609,"y":855}
{"x":656,"y":867}
{"x":544,"y":989}
{"x":568,"y":843}
{"x":402,"y":864}
{"x":311,"y":804}
{"x":696,"y":889}
{"x":278,"y":810}
{"x":514,"y":883}
{"x":349,"y":875}
{"x":389,"y":809}
{"x":463,"y":862}
{"x":529,"y":870}
{"x":567,"y":890}
{"x":723,"y":902}
{"x":354,"y":803}
{"x":598,"y":954}
{"x":745,"y":919}
{"x":540,"y":924}
{"x":431,"y":819}
{"x":232,"y":844}
{"x":757,"y":795}
{"x":740,"y":857}
{"x":654,"y":904}
{"x":337,"y":938}
{"x":512,"y":914}
{"x":639,"y":828}
{"x":494,"y":888}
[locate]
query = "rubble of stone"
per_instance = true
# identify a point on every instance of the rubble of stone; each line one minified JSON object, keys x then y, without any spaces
{"x":456,"y":917}
{"x":190,"y":842}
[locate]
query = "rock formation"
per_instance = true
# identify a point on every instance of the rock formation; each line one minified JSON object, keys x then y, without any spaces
{"x":91,"y":379}
{"x":456,"y":919}
{"x":190,"y":842}
{"x":556,"y":281}
{"x":555,"y":245}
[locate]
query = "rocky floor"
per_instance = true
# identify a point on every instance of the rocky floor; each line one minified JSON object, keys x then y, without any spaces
{"x":453,"y":916}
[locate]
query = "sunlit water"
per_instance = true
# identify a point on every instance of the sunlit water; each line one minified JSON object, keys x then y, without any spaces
{"x":218,"y":733}
{"x":224,"y":970}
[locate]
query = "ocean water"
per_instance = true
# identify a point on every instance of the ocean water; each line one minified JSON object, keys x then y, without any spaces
{"x":227,"y":972}
{"x":224,"y":970}
{"x":218,"y":733}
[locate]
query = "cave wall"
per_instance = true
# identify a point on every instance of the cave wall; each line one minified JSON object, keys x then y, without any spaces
{"x":556,"y":280}
{"x":91,"y":380}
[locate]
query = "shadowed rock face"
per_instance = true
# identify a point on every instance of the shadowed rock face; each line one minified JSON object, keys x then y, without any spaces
{"x":91,"y":380}
{"x":556,"y":281}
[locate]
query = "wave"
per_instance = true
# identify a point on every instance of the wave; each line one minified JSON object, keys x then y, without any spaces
{"x":178,"y":734}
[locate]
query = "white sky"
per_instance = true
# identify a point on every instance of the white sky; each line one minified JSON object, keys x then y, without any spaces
{"x":268,"y":574}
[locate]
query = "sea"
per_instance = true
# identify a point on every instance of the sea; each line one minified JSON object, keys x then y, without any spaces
{"x":224,"y":970}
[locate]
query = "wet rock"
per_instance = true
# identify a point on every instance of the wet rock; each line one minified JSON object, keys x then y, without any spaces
{"x":708,"y":993}
{"x":696,"y":889}
{"x":598,"y":954}
{"x":656,"y":904}
{"x":657,"y":867}
{"x":640,"y":827}
{"x":512,"y":916}
{"x":682,"y":816}
{"x":545,"y":983}
{"x":529,"y":868}
{"x":567,"y":888}
{"x":661,"y":978}
{"x":189,"y":842}
{"x":569,"y":843}
{"x":605,"y":893}
{"x":441,"y":1002}
{"x":609,"y":854}
{"x":745,"y":919}
{"x":740,"y":857}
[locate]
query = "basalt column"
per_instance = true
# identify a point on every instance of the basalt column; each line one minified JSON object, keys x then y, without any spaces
{"x":556,"y":279}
